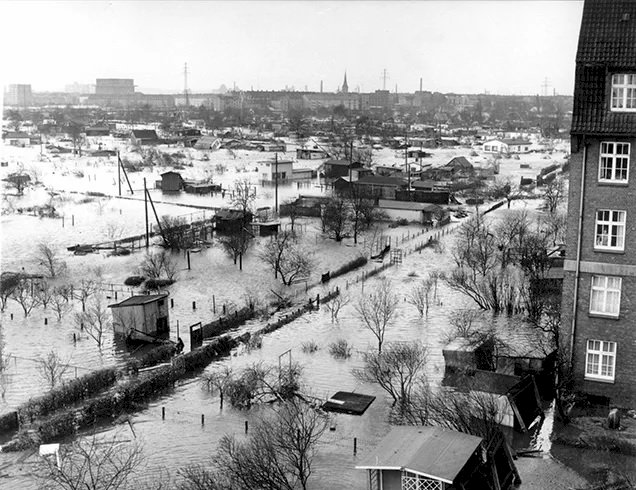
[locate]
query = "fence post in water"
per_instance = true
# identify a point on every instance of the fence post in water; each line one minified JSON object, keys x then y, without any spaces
{"x":213,"y":304}
{"x":194,"y":305}
{"x":163,"y":413}
{"x":62,"y":221}
{"x":72,"y":220}
{"x":317,"y":301}
{"x":224,"y":309}
{"x":171,"y":302}
{"x":11,"y":316}
{"x":46,"y":321}
{"x":202,"y":419}
{"x":355,"y":445}
{"x":246,"y":426}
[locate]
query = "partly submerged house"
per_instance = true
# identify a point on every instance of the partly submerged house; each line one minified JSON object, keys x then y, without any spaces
{"x":142,"y":317}
{"x":144,"y":137}
{"x":507,"y":146}
{"x":432,"y":458}
{"x":171,"y":181}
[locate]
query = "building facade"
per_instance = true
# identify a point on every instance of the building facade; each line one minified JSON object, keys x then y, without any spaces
{"x":18,"y":95}
{"x":599,"y":289}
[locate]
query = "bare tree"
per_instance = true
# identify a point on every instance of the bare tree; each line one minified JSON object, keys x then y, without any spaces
{"x":49,"y":260}
{"x":236,"y":244}
{"x":8,"y":282}
{"x":52,"y":368}
{"x":336,"y":218}
{"x":335,"y":305}
{"x":86,"y":289}
{"x":279,"y":452}
{"x":176,"y":233}
{"x":420,"y":295}
{"x":23,"y":295}
{"x":44,"y":293}
{"x":158,"y":264}
{"x":293,"y":212}
{"x":59,"y":302}
{"x":554,"y":193}
{"x":18,"y":180}
{"x":218,"y":380}
{"x":363,"y":213}
{"x":93,"y":464}
{"x":114,"y":230}
{"x":397,"y":369}
{"x":94,"y":321}
{"x":287,"y":256}
{"x":243,"y":196}
{"x":378,"y":309}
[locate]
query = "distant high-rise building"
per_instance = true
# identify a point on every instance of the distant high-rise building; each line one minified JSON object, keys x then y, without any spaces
{"x":114,"y":87}
{"x":18,"y":95}
{"x":79,"y":88}
{"x":345,"y":86}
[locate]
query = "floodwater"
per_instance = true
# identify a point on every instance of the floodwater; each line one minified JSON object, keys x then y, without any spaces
{"x":181,"y":439}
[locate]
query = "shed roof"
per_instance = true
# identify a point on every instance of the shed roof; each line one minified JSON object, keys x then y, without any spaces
{"x":381,"y":180}
{"x":145,"y":133}
{"x":408,"y":205}
{"x":16,"y":134}
{"x":139,"y":300}
{"x":429,"y":451}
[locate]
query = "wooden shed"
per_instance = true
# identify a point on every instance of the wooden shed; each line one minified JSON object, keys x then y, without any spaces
{"x":432,"y":458}
{"x":142,"y":317}
{"x":171,"y":181}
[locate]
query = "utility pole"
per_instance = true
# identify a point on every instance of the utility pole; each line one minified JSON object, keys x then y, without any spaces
{"x":146,"y":210}
{"x":276,"y":183}
{"x":118,"y":173}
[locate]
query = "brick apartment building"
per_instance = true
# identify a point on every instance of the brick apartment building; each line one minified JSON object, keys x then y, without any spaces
{"x":599,"y":289}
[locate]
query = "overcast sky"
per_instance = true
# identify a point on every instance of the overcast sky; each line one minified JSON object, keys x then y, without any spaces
{"x":506,"y":47}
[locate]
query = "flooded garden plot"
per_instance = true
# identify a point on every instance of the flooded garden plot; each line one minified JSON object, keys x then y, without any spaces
{"x":212,"y":273}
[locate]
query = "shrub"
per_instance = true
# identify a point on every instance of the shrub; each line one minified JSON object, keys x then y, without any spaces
{"x":310,"y":347}
{"x":95,"y":194}
{"x":134,"y":280}
{"x":401,"y":221}
{"x":158,"y":283}
{"x":349,"y":266}
{"x":255,"y":342}
{"x":340,"y":349}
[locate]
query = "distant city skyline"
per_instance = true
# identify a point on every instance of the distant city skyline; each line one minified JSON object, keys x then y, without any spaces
{"x":460,"y":46}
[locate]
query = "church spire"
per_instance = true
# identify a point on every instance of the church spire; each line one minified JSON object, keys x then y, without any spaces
{"x":345,"y":87}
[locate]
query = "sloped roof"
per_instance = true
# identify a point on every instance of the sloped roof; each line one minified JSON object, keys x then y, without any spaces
{"x":145,"y":133}
{"x":16,"y":134}
{"x":139,"y":300}
{"x":381,"y":180}
{"x":408,"y":205}
{"x":429,"y":451}
{"x":608,"y":33}
{"x":607,"y":44}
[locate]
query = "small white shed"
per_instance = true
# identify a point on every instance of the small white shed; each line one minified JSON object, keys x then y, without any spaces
{"x":141,"y":315}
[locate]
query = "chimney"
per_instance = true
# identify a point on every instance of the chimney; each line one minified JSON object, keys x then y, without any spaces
{"x":320,"y":86}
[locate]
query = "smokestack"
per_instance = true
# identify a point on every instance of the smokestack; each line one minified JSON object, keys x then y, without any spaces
{"x":420,"y":84}
{"x":320,"y":86}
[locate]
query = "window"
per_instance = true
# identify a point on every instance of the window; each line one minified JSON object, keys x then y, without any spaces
{"x":623,"y":92}
{"x":614,"y":162}
{"x":605,"y":297}
{"x":600,"y":360}
{"x":610,"y":230}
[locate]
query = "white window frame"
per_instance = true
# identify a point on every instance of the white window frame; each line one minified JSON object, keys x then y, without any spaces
{"x":612,"y":158}
{"x":615,"y":228}
{"x":593,"y":370}
{"x":606,"y":287}
{"x":623,"y":91}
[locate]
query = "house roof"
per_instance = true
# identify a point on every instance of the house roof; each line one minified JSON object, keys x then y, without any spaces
{"x":428,"y":451}
{"x":607,"y":43}
{"x":16,"y":134}
{"x":516,"y":141}
{"x":171,"y":172}
{"x":381,"y":180}
{"x":145,"y":133}
{"x":229,"y":214}
{"x":461,"y":162}
{"x":408,"y":205}
{"x":608,"y":33}
{"x":342,"y":163}
{"x":139,"y":300}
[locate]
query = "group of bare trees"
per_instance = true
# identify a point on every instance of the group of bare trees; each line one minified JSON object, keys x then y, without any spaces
{"x":288,"y":256}
{"x":349,"y":214}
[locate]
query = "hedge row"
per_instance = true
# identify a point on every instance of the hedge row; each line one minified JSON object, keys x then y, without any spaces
{"x":66,"y":394}
{"x":228,"y":322}
{"x":124,"y":397}
{"x":348,"y":267}
{"x":79,"y":389}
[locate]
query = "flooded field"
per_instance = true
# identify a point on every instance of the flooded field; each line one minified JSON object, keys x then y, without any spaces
{"x":180,"y":439}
